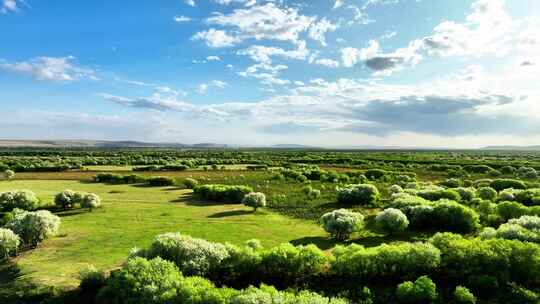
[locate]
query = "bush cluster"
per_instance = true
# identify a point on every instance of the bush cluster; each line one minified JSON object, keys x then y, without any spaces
{"x":392,"y":220}
{"x":360,"y":194}
{"x":33,"y":227}
{"x":342,"y":223}
{"x":159,"y":281}
{"x":20,"y":199}
{"x":254,"y":200}
{"x":9,"y":243}
{"x":421,"y":291}
{"x":222,"y":193}
{"x":525,"y":228}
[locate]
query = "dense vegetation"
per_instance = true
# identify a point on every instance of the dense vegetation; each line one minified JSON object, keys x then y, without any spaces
{"x":402,"y":226}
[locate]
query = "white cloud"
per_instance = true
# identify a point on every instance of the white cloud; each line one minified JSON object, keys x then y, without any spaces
{"x":266,"y":73}
{"x":182,"y":19}
{"x":203,"y":87}
{"x":338,"y":4}
{"x":50,"y":68}
{"x":318,"y":30}
{"x":213,"y":58}
{"x":216,"y":38}
{"x":265,"y":22}
{"x":244,"y":2}
{"x":263,"y":54}
{"x":327,"y":62}
{"x":190,"y":2}
{"x":7,"y":6}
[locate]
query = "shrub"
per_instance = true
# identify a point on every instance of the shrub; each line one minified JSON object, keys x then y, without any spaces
{"x":160,"y":181}
{"x":525,"y":228}
{"x":227,"y":193}
{"x":311,"y":192}
{"x":462,"y":295}
{"x":466,"y":194}
{"x":192,"y":256}
{"x":91,"y":201}
{"x":9,"y":174}
{"x":528,"y":197}
{"x":66,"y":199}
{"x":395,"y":189}
{"x":501,"y":184}
{"x":374,"y":174}
{"x":527,"y":173}
{"x":119,"y":179}
{"x":142,"y":281}
{"x":191,"y":183}
{"x":254,"y":200}
{"x":487,"y":193}
{"x":510,"y":210}
{"x":508,"y":170}
{"x":360,"y":194}
{"x":508,"y":194}
{"x":342,"y":223}
{"x":423,"y":290}
{"x":91,"y":278}
{"x":9,"y":243}
{"x":34,"y":227}
{"x":387,"y":261}
{"x":451,"y":183}
{"x":438,"y":193}
{"x":444,"y":215}
{"x":392,"y":220}
{"x":20,"y":199}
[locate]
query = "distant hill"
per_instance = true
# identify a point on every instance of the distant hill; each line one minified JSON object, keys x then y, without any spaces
{"x":98,"y":144}
{"x":293,"y":146}
{"x":515,"y":148}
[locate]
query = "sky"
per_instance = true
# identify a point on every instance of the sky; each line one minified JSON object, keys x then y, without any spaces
{"x":412,"y":73}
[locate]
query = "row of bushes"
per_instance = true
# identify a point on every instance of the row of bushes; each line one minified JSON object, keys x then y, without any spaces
{"x":162,"y":168}
{"x":222,"y":193}
{"x":525,"y":228}
{"x":20,"y":199}
{"x":67,"y":199}
{"x":156,"y":181}
{"x":480,"y":264}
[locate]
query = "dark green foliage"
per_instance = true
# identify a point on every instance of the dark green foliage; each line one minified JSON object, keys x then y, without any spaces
{"x":421,"y":291}
{"x":361,"y":194}
{"x":160,"y":181}
{"x":110,"y":178}
{"x":501,"y":184}
{"x":223,"y":193}
{"x":438,"y":194}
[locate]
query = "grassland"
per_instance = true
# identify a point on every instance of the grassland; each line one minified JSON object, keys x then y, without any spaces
{"x":131,"y":216}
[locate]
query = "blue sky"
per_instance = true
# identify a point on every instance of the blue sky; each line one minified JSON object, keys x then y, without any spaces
{"x":254,"y":72}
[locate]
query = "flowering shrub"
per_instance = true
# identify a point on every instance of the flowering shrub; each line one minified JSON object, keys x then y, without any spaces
{"x":392,"y":220}
{"x":34,"y":227}
{"x":67,"y":199}
{"x":9,"y":243}
{"x":525,"y":228}
{"x":227,"y":193}
{"x":91,"y":201}
{"x":20,"y":199}
{"x":254,"y":200}
{"x":192,"y":256}
{"x":395,"y":189}
{"x":9,"y":174}
{"x":342,"y":223}
{"x":360,"y":194}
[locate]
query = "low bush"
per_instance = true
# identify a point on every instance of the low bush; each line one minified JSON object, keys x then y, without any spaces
{"x":341,"y":223}
{"x":466,"y":194}
{"x":9,"y":174}
{"x":91,"y":201}
{"x":421,"y":291}
{"x":91,"y":278}
{"x":462,"y":295}
{"x":487,"y":193}
{"x":34,"y":227}
{"x":437,"y":193}
{"x":527,"y":173}
{"x":392,"y":220}
{"x":67,"y":199}
{"x":254,"y":200}
{"x":374,"y":174}
{"x":443,"y":215}
{"x":501,"y":184}
{"x":525,"y":228}
{"x":190,"y":183}
{"x":20,"y":199}
{"x":9,"y":243}
{"x":223,"y":193}
{"x":110,"y":178}
{"x":160,"y":181}
{"x":360,"y":194}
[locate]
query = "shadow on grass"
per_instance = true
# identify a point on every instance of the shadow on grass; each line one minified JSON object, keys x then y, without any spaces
{"x":192,"y":200}
{"x":230,"y":213}
{"x":323,"y":243}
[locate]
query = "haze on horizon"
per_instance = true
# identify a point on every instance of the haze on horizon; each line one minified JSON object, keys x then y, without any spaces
{"x":438,"y":73}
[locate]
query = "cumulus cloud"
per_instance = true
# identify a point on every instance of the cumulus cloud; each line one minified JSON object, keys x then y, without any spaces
{"x":266,"y":73}
{"x":327,"y":62}
{"x":264,"y":22}
{"x":213,"y":58}
{"x":61,"y":69}
{"x":216,"y":38}
{"x":318,"y":30}
{"x":190,"y":2}
{"x":264,"y":54}
{"x":203,"y":87}
{"x":7,"y":6}
{"x":244,"y":2}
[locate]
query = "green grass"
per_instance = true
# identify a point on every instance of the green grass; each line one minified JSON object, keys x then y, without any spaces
{"x":131,"y":216}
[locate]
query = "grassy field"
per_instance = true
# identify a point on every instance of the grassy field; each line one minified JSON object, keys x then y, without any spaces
{"x":131,"y":216}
